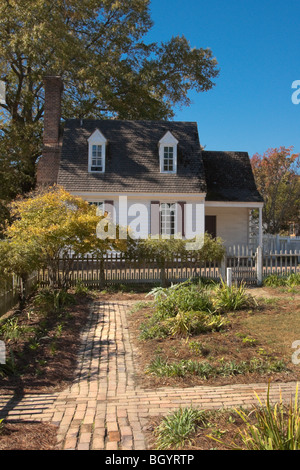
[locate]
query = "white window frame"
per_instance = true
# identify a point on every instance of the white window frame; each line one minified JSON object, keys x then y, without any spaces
{"x":163,"y":224}
{"x":97,"y":139}
{"x":168,"y":141}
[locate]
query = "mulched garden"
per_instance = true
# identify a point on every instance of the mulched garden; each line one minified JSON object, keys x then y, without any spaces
{"x":41,"y":348}
{"x":264,"y":334}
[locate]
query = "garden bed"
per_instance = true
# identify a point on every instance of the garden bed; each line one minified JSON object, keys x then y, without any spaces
{"x":42,"y":344}
{"x":218,"y":426}
{"x":254,"y":347}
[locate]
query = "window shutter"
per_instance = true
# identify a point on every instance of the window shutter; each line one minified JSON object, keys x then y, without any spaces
{"x":155,"y":218}
{"x":181,"y":218}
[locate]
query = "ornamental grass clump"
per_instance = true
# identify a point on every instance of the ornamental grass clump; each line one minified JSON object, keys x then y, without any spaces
{"x":232,"y":298}
{"x":276,"y":427}
{"x":178,"y":428}
{"x":270,"y":427}
{"x":275,"y":280}
{"x":191,"y":323}
{"x":182,"y":298}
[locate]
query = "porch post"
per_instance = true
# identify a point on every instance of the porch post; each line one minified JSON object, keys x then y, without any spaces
{"x":259,"y":266}
{"x":260,"y":230}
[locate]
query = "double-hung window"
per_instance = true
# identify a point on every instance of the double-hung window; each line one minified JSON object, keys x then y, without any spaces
{"x":169,"y":159}
{"x":97,"y":150}
{"x":167,"y":218}
{"x":97,"y":158}
{"x":168,"y":153}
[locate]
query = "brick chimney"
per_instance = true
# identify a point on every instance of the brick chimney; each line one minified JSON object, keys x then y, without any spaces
{"x":47,"y":169}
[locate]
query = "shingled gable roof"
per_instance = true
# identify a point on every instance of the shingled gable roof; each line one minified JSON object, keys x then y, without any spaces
{"x":132,"y":157}
{"x":229,"y":177}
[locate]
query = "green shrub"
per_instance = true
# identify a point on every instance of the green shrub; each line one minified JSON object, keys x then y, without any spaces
{"x":198,"y":348}
{"x":293,"y":279}
{"x":81,"y":289}
{"x":183,"y":324}
{"x":153,"y":328}
{"x":232,"y":298}
{"x":181,"y":297}
{"x":162,"y":368}
{"x":276,"y":280}
{"x":178,"y":428}
{"x":271,"y":427}
{"x":189,"y":323}
{"x":52,"y":300}
{"x":11,"y":330}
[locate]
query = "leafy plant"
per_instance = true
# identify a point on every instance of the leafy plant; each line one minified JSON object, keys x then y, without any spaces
{"x":177,"y":429}
{"x":53,"y":300}
{"x":246,"y":340}
{"x":231,"y":298}
{"x":162,"y":368}
{"x":189,"y":323}
{"x":139,"y":305}
{"x":12,"y":330}
{"x":275,"y":427}
{"x":81,"y":289}
{"x":153,"y":329}
{"x":276,"y":280}
{"x":10,"y":366}
{"x":198,"y":348}
{"x":181,"y":297}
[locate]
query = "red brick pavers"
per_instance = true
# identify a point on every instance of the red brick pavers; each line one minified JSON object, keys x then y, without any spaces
{"x":104,"y":408}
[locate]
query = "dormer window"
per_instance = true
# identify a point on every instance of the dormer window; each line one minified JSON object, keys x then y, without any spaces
{"x":97,"y":150}
{"x":168,"y":153}
{"x":169,"y":159}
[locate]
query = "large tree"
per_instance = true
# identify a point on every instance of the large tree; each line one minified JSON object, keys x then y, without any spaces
{"x":109,"y":70}
{"x":277,"y":177}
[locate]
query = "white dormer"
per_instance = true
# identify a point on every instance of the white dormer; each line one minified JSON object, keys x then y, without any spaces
{"x":97,"y":150}
{"x":168,"y":153}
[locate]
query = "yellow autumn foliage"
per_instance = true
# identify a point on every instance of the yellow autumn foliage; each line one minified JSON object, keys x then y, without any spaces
{"x":48,"y":226}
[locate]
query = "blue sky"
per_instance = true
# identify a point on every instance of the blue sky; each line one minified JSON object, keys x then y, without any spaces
{"x":257,"y":46}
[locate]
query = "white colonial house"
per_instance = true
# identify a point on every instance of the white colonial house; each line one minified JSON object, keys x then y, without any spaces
{"x":150,"y":175}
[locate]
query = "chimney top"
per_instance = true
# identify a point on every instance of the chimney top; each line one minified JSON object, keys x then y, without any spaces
{"x":52,"y":114}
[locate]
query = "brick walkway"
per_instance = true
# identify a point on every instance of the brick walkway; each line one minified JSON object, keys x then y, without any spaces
{"x":104,"y":409}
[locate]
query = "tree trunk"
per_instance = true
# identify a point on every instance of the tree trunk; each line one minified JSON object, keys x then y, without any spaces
{"x":22,"y":291}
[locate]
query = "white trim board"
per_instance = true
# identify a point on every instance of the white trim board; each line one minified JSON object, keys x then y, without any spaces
{"x":251,"y":205}
{"x":152,"y":196}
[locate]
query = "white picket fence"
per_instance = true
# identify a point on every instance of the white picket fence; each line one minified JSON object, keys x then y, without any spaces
{"x":277,"y":243}
{"x":253,"y":266}
{"x":246,"y":265}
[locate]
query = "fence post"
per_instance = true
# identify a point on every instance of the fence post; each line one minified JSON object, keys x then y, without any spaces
{"x":259,"y":266}
{"x":229,"y":277}
{"x":223,"y":268}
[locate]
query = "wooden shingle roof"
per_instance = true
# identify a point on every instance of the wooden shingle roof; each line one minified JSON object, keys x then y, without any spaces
{"x":229,"y":177}
{"x":132,"y":157}
{"x":132,"y":162}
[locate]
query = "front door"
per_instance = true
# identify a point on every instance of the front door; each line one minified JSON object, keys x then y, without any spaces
{"x":211,"y":225}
